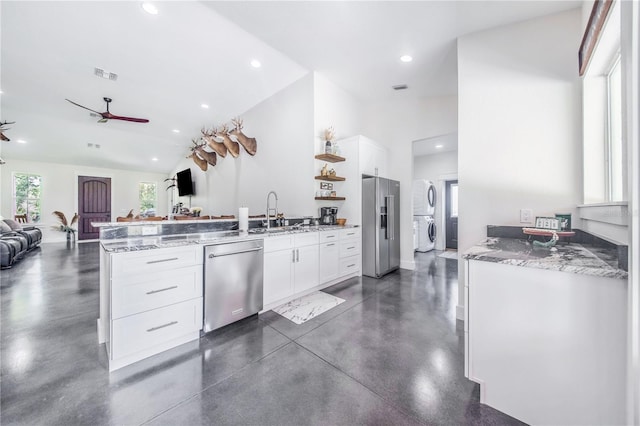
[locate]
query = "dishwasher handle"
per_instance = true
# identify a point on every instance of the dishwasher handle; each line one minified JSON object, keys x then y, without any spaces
{"x":212,"y":255}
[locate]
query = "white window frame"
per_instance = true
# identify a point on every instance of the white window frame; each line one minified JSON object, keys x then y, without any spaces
{"x":155,"y":198}
{"x":14,"y":206}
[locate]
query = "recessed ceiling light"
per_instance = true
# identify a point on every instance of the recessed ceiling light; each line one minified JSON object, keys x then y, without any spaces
{"x":150,"y":8}
{"x":256,"y":63}
{"x":21,"y":141}
{"x":176,"y":131}
{"x":406,"y":58}
{"x":438,"y":146}
{"x":154,"y":159}
{"x":204,"y":106}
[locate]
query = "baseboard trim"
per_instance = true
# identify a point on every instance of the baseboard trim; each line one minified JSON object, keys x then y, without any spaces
{"x":460,"y":312}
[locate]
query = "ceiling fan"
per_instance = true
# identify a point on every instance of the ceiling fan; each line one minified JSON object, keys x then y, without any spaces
{"x":108,"y":116}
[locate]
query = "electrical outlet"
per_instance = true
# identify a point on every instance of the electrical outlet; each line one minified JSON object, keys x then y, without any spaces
{"x":526,"y":216}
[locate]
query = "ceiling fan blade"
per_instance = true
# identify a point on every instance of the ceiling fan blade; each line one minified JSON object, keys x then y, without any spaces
{"x":135,"y":120}
{"x":99,"y":113}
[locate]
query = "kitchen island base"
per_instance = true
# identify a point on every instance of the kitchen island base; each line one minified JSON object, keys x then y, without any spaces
{"x":547,"y":347}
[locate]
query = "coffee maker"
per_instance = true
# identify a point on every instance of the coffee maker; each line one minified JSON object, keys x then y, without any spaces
{"x":328,"y":215}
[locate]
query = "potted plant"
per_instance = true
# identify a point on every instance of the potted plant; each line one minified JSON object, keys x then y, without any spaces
{"x":65,"y":226}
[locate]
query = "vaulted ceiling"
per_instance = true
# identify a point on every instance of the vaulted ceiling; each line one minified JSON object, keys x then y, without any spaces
{"x":193,"y":53}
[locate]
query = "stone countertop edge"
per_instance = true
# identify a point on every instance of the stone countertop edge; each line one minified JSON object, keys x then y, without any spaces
{"x":140,"y":243}
{"x":574,"y":258}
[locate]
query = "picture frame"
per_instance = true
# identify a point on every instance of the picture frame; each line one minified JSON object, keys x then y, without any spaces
{"x":550,"y":223}
{"x":326,"y":185}
{"x":565,"y":221}
{"x":334,"y":194}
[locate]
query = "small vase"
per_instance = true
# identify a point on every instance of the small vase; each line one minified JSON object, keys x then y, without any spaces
{"x":328,"y":149}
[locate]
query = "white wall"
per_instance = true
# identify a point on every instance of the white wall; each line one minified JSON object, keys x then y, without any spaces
{"x":437,"y":168}
{"x":60,"y":190}
{"x":397,"y":123}
{"x":519,"y":136}
{"x":283,"y":126}
{"x":335,"y":107}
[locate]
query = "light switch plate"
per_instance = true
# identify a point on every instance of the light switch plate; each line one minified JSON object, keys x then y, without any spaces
{"x":526,"y":216}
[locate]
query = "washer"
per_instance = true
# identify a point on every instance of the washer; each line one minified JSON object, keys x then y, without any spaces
{"x":427,"y":233}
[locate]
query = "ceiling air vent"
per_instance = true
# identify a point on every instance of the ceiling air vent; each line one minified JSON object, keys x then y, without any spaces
{"x":105,"y":74}
{"x":400,"y":87}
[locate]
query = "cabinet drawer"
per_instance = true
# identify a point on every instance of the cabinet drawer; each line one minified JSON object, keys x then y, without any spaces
{"x":328,"y":236}
{"x":349,"y":248}
{"x":305,"y":239}
{"x":278,"y":243}
{"x":142,"y":262}
{"x":145,"y":292}
{"x":350,"y":233}
{"x":143,"y":331}
{"x":349,"y":265}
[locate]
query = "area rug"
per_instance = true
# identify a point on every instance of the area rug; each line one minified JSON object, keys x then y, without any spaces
{"x":449,"y":255}
{"x":304,"y":308}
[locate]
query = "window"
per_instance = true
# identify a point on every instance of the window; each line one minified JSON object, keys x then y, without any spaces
{"x":604,"y":166}
{"x":27,"y":193}
{"x":613,"y":150}
{"x":148,"y":196}
{"x":454,"y":200}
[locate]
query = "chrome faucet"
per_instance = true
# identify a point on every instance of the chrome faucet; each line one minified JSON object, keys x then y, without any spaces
{"x":269,"y":209}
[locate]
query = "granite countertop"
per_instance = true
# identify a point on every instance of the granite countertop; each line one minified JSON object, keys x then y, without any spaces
{"x":573,"y":257}
{"x":216,"y":237}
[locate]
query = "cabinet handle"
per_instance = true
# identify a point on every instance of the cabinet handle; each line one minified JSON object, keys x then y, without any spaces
{"x":351,"y":266}
{"x":330,"y":236}
{"x":332,"y":244}
{"x":161,"y":260}
{"x":350,"y":248}
{"x":297,"y":255}
{"x":293,"y":253}
{"x":162,"y":326}
{"x":162,"y":289}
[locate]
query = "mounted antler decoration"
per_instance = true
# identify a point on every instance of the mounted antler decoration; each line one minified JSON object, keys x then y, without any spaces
{"x":249,"y":144}
{"x":3,"y":129}
{"x":217,"y":147}
{"x":198,"y":148}
{"x":223,"y":133}
{"x":220,"y":141}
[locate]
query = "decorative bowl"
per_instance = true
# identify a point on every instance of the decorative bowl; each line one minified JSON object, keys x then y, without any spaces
{"x":341,"y":221}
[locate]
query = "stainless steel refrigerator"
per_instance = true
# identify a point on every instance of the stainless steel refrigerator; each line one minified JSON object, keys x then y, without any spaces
{"x":380,"y":226}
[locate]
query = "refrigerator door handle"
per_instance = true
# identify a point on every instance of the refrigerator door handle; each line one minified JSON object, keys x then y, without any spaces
{"x":390,"y":217}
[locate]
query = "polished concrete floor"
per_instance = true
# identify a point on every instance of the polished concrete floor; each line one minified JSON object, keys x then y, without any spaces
{"x":392,"y":354}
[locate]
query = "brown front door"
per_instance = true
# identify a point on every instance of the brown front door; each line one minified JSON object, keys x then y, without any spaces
{"x":94,"y":205}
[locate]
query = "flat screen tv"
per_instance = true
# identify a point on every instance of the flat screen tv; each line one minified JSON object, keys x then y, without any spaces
{"x":185,"y":184}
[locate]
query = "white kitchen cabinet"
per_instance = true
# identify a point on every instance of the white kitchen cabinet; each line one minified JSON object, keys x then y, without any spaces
{"x":556,"y":338}
{"x":306,"y":268}
{"x":372,"y":158}
{"x":329,"y":261}
{"x":291,"y":265}
{"x":151,"y":301}
{"x":278,"y":269}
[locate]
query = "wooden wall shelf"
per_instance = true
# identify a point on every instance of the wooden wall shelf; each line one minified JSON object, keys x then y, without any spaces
{"x":330,"y":158}
{"x":330,"y":178}
{"x":331,"y":198}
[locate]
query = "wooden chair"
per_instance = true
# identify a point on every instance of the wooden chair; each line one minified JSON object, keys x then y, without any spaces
{"x":20,"y":218}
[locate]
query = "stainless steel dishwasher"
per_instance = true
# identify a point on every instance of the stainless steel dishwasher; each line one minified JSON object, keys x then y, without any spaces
{"x":233,"y":281}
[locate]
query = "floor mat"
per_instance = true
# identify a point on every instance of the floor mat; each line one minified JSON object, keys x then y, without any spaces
{"x":304,"y":308}
{"x":449,"y":255}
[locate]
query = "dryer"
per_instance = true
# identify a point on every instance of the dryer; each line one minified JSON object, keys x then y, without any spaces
{"x":424,"y":198}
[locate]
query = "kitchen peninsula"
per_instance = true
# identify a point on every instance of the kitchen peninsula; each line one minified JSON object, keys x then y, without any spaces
{"x":152,"y":279}
{"x":545,"y":330}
